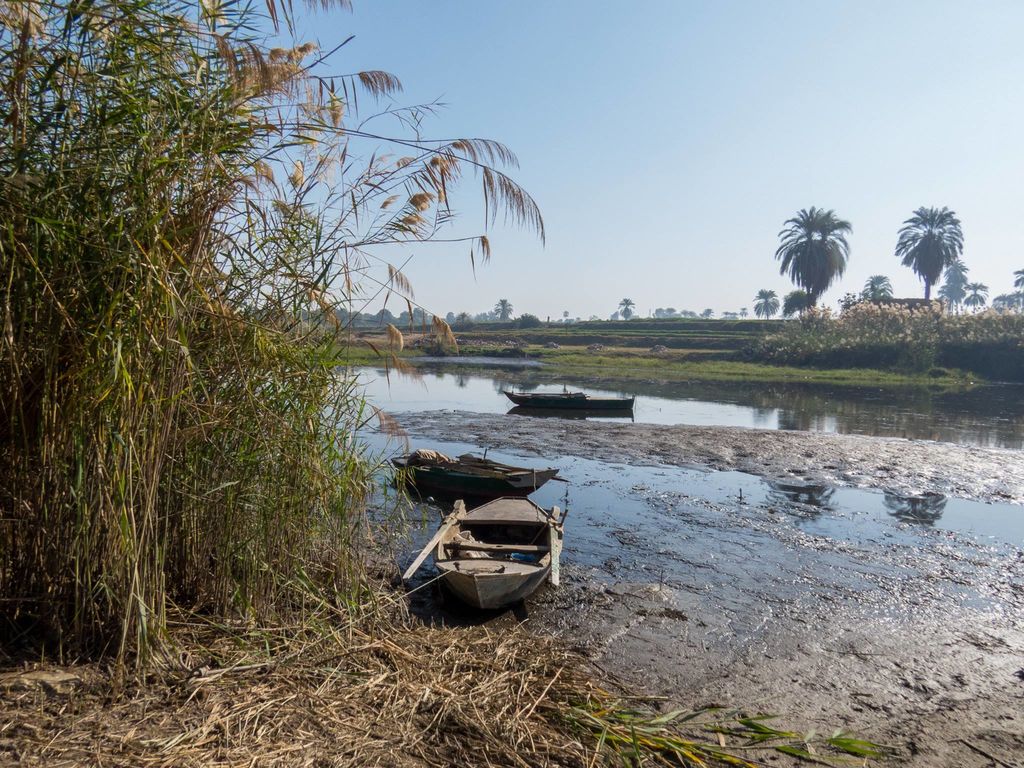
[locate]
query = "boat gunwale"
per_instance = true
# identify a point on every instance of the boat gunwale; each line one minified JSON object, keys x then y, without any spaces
{"x":480,"y":469}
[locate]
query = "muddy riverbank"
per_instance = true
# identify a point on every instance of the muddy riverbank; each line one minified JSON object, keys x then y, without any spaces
{"x":831,"y":606}
{"x":905,"y":465}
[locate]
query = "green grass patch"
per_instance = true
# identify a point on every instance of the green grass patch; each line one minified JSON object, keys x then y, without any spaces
{"x":676,"y":365}
{"x":627,"y":364}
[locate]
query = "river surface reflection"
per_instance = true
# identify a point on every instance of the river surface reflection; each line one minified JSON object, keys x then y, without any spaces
{"x":984,"y":415}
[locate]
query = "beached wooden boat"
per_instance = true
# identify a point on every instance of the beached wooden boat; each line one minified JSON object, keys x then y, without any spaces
{"x":430,"y":472}
{"x":570,"y":401}
{"x":497,"y":554}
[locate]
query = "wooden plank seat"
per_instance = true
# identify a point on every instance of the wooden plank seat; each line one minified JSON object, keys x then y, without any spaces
{"x":480,"y":546}
{"x":508,"y":512}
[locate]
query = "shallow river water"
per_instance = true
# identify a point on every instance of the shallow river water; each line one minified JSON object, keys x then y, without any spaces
{"x":606,"y":497}
{"x":985,"y":416}
{"x":669,"y":524}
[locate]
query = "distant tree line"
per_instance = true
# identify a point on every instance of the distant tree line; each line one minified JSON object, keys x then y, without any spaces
{"x":813,"y":251}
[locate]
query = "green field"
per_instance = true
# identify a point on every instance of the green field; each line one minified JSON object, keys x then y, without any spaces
{"x":708,"y":350}
{"x":727,"y":337}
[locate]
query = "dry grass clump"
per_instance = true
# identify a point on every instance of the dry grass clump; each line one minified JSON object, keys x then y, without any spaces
{"x":376,"y":690}
{"x":380,"y":693}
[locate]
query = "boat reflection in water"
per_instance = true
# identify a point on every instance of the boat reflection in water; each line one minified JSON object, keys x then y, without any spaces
{"x":572,"y":413}
{"x":923,"y":509}
{"x":806,"y":493}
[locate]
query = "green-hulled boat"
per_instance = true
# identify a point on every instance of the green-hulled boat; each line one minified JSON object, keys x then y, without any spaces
{"x":433,"y":473}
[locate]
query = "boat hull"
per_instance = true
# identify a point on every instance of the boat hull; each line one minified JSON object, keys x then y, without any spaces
{"x":436,"y":480}
{"x":574,"y":403}
{"x":491,"y":591}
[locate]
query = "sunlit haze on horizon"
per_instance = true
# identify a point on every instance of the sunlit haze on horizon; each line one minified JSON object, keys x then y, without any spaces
{"x":667,"y":142}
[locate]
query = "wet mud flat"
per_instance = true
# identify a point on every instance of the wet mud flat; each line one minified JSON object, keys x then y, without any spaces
{"x":990,"y":474}
{"x":787,"y":587}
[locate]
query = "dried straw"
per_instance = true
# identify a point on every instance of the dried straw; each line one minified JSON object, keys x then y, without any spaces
{"x":383,"y":692}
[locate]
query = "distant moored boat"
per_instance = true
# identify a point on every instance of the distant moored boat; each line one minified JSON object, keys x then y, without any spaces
{"x":570,"y":401}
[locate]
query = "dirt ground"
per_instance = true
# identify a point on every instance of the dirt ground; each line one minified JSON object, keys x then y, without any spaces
{"x":913,"y":638}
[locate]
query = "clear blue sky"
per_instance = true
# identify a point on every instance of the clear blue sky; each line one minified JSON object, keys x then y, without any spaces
{"x":667,"y":141}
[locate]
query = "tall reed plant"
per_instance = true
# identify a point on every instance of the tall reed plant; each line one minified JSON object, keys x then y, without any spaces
{"x":186,"y":207}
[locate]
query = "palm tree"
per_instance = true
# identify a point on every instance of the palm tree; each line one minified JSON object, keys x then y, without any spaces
{"x":813,"y":250}
{"x":795,"y":303}
{"x":626,"y":308}
{"x":743,"y":312}
{"x":977,"y":293}
{"x":957,"y":270}
{"x":766,"y":304}
{"x":952,"y":290}
{"x":1018,"y":279}
{"x":1009,"y":302}
{"x":503,"y":309}
{"x":930,"y":241}
{"x":877,"y":288}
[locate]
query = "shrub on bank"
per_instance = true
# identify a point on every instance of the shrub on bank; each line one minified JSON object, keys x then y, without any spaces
{"x":869,"y":335}
{"x":527,"y":320}
{"x":998,"y":360}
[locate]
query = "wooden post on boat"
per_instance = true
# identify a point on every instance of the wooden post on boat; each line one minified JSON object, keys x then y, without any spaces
{"x":556,"y":547}
{"x":457,"y":514}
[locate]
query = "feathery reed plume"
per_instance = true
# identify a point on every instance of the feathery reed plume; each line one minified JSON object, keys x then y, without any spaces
{"x":395,"y":339}
{"x":421,"y":201}
{"x":298,"y":174}
{"x":501,"y":193}
{"x":400,"y":281}
{"x":388,"y":424}
{"x":443,"y":333}
{"x":380,"y":83}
